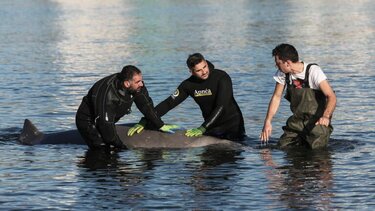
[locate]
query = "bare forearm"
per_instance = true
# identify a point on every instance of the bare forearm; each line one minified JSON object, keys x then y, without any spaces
{"x":331,"y":105}
{"x":331,"y":99}
{"x":272,"y":108}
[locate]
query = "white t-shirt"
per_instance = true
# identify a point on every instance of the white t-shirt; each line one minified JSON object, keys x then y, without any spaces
{"x":315,"y":77}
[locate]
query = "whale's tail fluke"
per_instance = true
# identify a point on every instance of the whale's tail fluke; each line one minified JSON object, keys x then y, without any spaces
{"x":30,"y":135}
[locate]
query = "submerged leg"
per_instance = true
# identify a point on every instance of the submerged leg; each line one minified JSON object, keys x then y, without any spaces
{"x":289,"y":138}
{"x":90,"y":134}
{"x":292,"y":133}
{"x":319,"y":136}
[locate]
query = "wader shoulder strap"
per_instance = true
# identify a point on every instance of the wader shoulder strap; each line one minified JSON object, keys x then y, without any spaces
{"x":306,"y":81}
{"x":287,"y":79}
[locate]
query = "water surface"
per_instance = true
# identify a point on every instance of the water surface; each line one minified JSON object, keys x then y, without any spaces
{"x":51,"y":52}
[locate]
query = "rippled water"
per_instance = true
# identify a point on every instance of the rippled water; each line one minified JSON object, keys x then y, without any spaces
{"x":51,"y":52}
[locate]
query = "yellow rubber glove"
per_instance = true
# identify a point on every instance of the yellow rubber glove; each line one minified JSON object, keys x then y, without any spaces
{"x":195,"y":132}
{"x":137,"y":128}
{"x":169,"y":128}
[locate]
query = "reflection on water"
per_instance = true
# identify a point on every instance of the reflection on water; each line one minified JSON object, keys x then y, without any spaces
{"x":304,"y":181}
{"x":131,"y":181}
{"x":210,"y":175}
{"x":51,"y":52}
{"x":118,"y":181}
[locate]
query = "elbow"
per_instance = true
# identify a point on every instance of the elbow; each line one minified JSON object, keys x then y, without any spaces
{"x":331,"y":98}
{"x":216,"y":114}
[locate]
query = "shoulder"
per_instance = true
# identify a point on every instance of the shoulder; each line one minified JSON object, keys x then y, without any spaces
{"x":220,"y":74}
{"x":279,"y":77}
{"x":317,"y":72}
{"x":187,"y":83}
{"x":316,"y":76}
{"x":104,"y":82}
{"x":110,"y":79}
{"x":315,"y":68}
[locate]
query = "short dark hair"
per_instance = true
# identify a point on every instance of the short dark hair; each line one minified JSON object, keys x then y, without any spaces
{"x":286,"y":52}
{"x":194,"y":59}
{"x":128,"y":72}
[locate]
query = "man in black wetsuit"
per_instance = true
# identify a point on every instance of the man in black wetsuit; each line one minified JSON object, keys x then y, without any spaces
{"x":212,"y":91}
{"x":110,"y":99}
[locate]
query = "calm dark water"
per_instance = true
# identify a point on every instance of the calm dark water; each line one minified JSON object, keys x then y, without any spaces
{"x":51,"y":52}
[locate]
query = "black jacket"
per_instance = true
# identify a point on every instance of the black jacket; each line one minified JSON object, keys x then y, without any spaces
{"x":214,"y":97}
{"x":108,"y":101}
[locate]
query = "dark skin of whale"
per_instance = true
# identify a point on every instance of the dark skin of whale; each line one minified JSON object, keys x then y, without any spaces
{"x":147,"y":139}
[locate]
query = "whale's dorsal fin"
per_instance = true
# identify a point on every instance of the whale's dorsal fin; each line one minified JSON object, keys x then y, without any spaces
{"x":30,"y":135}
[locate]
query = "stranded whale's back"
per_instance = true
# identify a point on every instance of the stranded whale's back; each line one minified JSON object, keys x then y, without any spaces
{"x":30,"y":135}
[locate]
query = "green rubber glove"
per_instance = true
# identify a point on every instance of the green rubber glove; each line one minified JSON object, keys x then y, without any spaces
{"x":137,"y":128}
{"x":195,"y":132}
{"x":169,"y":128}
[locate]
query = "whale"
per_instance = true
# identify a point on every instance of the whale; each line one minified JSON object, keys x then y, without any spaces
{"x":147,"y":139}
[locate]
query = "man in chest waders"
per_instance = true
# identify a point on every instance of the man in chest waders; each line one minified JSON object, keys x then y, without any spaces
{"x":312,"y":101}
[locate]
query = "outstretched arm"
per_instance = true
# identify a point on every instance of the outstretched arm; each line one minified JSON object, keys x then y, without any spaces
{"x":154,"y":115}
{"x":144,"y":103}
{"x":172,"y":101}
{"x":272,"y":109}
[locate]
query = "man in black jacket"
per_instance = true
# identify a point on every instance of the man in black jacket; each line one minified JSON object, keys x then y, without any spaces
{"x":110,"y":99}
{"x":212,"y":90}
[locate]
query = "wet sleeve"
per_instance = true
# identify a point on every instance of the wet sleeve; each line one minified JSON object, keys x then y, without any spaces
{"x":172,"y":101}
{"x":226,"y":92}
{"x":144,"y":103}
